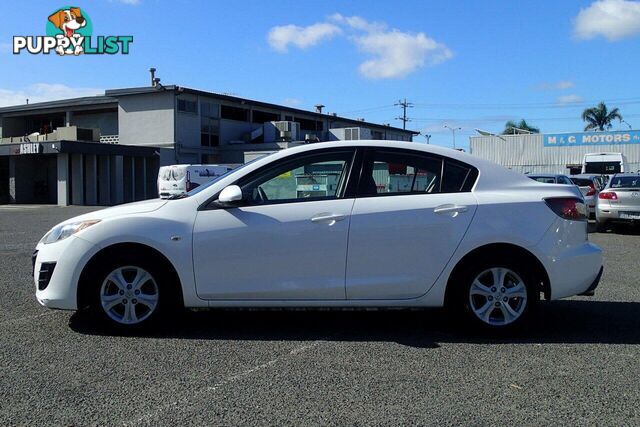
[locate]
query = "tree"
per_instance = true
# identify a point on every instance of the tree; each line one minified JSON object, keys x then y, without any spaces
{"x":599,"y":118}
{"x":514,"y":128}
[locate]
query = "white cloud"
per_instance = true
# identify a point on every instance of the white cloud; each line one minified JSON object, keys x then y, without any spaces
{"x":292,"y":102}
{"x":569,"y":99}
{"x":559,"y":85}
{"x":393,"y":53}
{"x":281,"y":37}
{"x":41,"y":92}
{"x":612,"y":19}
{"x":397,"y":54}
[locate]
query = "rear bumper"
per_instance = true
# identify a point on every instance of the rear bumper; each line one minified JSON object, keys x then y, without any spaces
{"x":591,"y":290}
{"x":612,"y":213}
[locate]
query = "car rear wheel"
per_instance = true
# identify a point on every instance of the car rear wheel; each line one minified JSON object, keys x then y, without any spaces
{"x":601,"y":226}
{"x":497,"y":296}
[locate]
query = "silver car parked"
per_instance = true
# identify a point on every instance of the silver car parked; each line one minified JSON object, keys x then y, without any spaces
{"x":590,"y":186}
{"x":619,"y":201}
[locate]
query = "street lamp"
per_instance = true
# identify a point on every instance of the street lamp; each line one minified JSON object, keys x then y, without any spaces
{"x":453,"y":132}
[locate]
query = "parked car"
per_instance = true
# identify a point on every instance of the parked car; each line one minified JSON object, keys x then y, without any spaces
{"x":551,"y":178}
{"x":425,"y":226}
{"x":619,"y":201}
{"x":590,"y":185}
{"x":174,"y":180}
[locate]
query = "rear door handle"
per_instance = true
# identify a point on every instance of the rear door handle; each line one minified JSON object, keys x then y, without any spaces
{"x":450,"y":209}
{"x":328,"y":217}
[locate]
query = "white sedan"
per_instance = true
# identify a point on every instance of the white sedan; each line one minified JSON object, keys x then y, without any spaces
{"x":348,"y":224}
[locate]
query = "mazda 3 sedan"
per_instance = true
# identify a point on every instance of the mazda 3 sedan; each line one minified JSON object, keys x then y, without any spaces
{"x":339,"y":224}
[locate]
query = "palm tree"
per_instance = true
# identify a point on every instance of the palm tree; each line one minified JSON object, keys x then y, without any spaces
{"x":515,"y":128}
{"x":599,"y":118}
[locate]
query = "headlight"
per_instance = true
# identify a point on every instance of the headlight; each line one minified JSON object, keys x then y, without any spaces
{"x":61,"y":232}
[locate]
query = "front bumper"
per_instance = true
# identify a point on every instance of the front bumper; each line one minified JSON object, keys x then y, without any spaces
{"x":62,"y":262}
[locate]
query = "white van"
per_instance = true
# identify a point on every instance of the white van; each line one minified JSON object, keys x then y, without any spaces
{"x":604,"y":163}
{"x":179,"y":179}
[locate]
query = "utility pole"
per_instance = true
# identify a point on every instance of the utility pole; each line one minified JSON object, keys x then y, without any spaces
{"x":404,"y":104}
{"x":453,"y":132}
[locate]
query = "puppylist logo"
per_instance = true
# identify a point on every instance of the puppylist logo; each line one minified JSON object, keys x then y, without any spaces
{"x":69,"y":32}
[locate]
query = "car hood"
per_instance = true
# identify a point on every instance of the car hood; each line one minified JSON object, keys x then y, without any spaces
{"x":122,"y":210}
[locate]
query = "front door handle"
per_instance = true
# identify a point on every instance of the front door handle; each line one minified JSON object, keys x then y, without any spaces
{"x":450,"y":209}
{"x":328,"y":218}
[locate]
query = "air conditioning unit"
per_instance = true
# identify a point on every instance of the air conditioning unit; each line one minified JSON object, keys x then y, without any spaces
{"x":288,"y":130}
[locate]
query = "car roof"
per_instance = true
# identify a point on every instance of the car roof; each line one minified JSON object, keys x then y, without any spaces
{"x":586,"y":175}
{"x":545,"y":175}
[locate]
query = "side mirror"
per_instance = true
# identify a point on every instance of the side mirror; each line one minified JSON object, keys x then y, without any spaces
{"x":230,"y":195}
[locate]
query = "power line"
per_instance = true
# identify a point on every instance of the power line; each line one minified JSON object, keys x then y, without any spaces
{"x":404,"y":104}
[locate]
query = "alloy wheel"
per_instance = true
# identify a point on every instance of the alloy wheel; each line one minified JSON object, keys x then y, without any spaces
{"x":129,"y":295}
{"x":498,"y":296}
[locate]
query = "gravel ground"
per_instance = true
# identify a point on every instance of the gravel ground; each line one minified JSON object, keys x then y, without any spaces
{"x":578,"y":364}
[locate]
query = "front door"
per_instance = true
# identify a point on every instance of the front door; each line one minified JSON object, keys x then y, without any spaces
{"x":288,"y":239}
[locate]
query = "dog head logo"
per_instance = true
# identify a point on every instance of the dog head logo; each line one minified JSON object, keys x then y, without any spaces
{"x":68,"y":20}
{"x":72,"y":24}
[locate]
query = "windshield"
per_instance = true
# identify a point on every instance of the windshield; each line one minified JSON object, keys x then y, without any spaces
{"x":602,"y":167}
{"x":210,"y":183}
{"x":625,"y":182}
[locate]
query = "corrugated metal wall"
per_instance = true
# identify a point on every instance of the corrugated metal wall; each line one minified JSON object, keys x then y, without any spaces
{"x":526,"y":153}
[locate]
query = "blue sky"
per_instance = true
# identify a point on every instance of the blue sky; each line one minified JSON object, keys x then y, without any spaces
{"x":471,"y":64}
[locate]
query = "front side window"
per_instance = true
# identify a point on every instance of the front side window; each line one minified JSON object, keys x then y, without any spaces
{"x":314,"y":177}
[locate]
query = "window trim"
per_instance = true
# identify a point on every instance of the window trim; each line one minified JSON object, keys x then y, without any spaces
{"x":345,"y":189}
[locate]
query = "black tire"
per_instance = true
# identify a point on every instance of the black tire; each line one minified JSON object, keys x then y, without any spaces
{"x":601,"y":226}
{"x":166,"y":301}
{"x":465,"y":305}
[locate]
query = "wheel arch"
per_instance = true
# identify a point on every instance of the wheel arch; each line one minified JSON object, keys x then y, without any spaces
{"x":120,"y":250}
{"x":493,"y":250}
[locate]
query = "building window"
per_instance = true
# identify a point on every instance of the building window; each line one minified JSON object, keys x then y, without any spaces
{"x":187,"y":106}
{"x":306,"y":124}
{"x":209,"y":131}
{"x":208,"y":109}
{"x":234,"y":113}
{"x":376,"y":134}
{"x":264,"y":116}
{"x":288,"y":118}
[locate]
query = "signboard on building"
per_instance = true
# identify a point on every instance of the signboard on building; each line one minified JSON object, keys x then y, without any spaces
{"x":592,"y":138}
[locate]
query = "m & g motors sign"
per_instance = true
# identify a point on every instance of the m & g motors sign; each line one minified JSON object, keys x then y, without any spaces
{"x":592,"y":138}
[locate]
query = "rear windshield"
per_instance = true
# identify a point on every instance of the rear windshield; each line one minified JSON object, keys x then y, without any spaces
{"x":602,"y":167}
{"x":582,"y":182}
{"x":625,"y":182}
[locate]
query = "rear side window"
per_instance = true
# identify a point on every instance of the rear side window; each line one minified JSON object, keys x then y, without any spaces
{"x":404,"y":172}
{"x":457,"y":177}
{"x":388,"y":172}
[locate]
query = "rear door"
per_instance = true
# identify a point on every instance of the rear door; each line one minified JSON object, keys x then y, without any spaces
{"x":411,"y":212}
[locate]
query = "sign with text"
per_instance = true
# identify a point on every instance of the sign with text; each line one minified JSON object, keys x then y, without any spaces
{"x":592,"y":138}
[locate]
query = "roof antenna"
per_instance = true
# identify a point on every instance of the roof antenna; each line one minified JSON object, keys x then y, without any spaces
{"x":152,"y":71}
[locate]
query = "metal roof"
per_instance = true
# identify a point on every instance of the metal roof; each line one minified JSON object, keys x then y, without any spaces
{"x":180,"y":89}
{"x":85,"y":101}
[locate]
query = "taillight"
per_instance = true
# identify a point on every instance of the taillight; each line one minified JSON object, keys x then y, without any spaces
{"x":568,"y":208}
{"x":592,"y":190}
{"x":608,"y":195}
